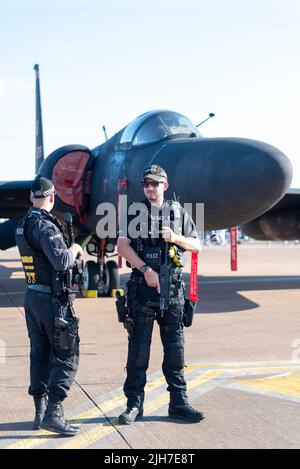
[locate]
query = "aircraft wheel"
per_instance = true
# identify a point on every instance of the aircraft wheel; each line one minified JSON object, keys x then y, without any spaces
{"x":110,"y":279}
{"x":114,"y":281}
{"x":90,"y":278}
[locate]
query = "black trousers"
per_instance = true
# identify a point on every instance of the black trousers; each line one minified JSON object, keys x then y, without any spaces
{"x":52,"y":370}
{"x":139,"y":297}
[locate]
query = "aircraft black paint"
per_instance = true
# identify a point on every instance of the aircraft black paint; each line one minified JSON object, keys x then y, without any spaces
{"x":237,"y":179}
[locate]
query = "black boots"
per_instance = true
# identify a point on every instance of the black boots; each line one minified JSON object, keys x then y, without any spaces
{"x":186,"y":412}
{"x":177,"y":410}
{"x":130,"y":414}
{"x":40,"y":403}
{"x":54,"y":420}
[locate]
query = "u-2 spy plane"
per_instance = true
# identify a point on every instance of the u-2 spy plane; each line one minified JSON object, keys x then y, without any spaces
{"x":237,"y":179}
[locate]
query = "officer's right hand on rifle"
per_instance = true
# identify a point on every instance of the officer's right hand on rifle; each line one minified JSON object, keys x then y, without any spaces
{"x":155,"y":291}
{"x":152,"y":279}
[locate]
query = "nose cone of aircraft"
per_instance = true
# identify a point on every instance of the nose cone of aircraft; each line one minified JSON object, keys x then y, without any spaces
{"x":236,"y":179}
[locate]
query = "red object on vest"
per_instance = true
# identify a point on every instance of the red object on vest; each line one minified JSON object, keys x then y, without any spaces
{"x":194,"y":277}
{"x":233,"y":248}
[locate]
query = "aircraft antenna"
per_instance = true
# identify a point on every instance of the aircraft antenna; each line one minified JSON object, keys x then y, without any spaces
{"x":104,"y":131}
{"x":210,"y":115}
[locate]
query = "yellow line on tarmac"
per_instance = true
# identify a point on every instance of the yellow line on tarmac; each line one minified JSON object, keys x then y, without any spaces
{"x":286,"y":385}
{"x":42,"y":436}
{"x":100,"y":431}
{"x":238,"y":365}
{"x":271,"y":369}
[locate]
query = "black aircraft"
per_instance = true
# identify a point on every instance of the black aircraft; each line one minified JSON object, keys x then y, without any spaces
{"x":237,"y":179}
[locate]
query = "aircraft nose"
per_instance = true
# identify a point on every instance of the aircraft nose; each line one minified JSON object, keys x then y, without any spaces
{"x":236,"y":179}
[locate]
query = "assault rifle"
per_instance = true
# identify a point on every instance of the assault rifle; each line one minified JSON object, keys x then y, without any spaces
{"x":164,"y":280}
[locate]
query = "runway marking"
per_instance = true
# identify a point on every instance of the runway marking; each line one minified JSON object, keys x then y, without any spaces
{"x":248,"y":365}
{"x":40,"y":437}
{"x":12,"y":293}
{"x":275,"y":385}
{"x":258,"y":370}
{"x":278,"y":386}
{"x":89,"y":437}
{"x":252,"y":280}
{"x":16,"y":275}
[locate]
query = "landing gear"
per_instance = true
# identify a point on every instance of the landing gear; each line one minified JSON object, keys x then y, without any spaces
{"x":90,"y":276}
{"x":113,"y":276}
{"x":101,"y":276}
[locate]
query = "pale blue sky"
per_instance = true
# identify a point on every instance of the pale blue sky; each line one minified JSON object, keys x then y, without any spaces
{"x":106,"y":62}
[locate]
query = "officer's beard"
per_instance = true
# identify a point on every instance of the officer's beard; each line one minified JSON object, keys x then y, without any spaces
{"x":156,"y":199}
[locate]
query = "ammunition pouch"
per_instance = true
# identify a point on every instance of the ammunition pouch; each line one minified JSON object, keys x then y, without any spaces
{"x":65,"y":328}
{"x":188,"y":312}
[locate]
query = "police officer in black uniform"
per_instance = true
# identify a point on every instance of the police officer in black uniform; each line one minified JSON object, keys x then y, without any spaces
{"x":144,"y":253}
{"x":47,"y":263}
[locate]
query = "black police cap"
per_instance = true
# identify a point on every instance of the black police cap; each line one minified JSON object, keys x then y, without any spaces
{"x":155,"y":172}
{"x":41,"y":188}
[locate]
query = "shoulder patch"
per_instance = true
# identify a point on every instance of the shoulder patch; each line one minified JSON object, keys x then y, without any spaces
{"x":57,"y":235}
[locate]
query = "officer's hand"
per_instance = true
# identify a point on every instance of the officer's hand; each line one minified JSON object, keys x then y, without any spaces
{"x":168,"y":235}
{"x":80,"y":252}
{"x":76,"y":249}
{"x":152,"y":279}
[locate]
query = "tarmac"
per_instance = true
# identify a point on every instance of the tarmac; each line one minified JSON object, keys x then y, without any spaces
{"x":242,"y":361}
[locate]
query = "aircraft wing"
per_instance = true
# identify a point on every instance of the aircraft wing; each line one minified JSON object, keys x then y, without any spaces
{"x":14,"y":202}
{"x":281,"y":222}
{"x":14,"y":198}
{"x":290,"y":200}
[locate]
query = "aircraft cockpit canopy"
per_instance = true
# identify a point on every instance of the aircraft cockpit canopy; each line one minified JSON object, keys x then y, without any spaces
{"x":154,"y":126}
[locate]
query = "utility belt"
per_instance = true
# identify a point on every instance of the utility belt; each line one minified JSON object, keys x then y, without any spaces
{"x":40,"y":288}
{"x":65,"y":296}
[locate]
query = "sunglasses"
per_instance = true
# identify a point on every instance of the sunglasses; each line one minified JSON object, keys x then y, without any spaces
{"x":151,"y":183}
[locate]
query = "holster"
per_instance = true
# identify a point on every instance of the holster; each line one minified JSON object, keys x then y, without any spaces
{"x":65,"y":328}
{"x":121,"y":307}
{"x":123,"y":315}
{"x":188,"y":312}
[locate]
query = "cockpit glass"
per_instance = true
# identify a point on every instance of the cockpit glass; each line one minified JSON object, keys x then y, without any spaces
{"x":163,"y":125}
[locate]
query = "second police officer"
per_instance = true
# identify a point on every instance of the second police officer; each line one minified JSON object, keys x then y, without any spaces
{"x":144,"y":253}
{"x":47,"y":263}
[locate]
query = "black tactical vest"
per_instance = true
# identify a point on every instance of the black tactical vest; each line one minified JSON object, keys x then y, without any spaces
{"x":151,"y":247}
{"x":36,"y":266}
